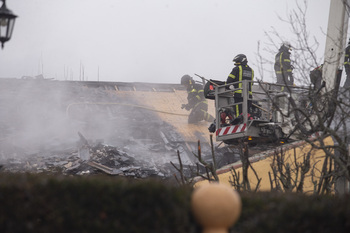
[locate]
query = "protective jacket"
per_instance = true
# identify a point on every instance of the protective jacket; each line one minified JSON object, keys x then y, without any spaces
{"x":283,"y":66}
{"x":282,"y":61}
{"x":347,"y":66}
{"x":347,"y":56}
{"x":198,"y":103}
{"x":195,"y":95}
{"x":241,"y":72}
{"x":316,"y":76}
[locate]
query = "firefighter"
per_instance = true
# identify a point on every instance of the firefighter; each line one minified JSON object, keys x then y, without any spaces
{"x":316,"y":77}
{"x":196,"y":101}
{"x":240,"y":72}
{"x":283,"y":67}
{"x":347,"y":65}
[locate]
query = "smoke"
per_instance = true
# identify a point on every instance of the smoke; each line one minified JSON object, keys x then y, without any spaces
{"x":32,"y":116}
{"x":44,"y":116}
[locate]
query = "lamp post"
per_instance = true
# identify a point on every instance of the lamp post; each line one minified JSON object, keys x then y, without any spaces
{"x":7,"y":22}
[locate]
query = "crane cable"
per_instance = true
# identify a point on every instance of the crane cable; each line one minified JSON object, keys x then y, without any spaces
{"x":130,"y":105}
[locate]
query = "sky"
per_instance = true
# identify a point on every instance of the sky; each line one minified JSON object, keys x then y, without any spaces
{"x":153,"y":41}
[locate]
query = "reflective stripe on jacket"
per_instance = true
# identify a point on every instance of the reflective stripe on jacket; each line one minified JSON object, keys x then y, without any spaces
{"x":239,"y":73}
{"x":282,"y":62}
{"x":195,"y":95}
{"x":347,"y":56}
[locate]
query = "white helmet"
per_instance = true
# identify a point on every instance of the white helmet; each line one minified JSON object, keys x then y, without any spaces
{"x":287,"y":45}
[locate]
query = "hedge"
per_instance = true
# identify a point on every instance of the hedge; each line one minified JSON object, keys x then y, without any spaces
{"x":46,"y":203}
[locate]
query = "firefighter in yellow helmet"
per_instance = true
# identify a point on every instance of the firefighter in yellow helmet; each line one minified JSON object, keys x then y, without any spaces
{"x":196,"y":101}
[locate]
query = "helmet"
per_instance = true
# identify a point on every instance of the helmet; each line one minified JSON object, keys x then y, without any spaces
{"x":286,"y":45}
{"x":240,"y":59}
{"x":186,"y":80}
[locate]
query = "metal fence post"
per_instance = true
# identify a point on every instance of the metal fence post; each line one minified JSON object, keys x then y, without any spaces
{"x":216,"y":207}
{"x":245,"y":95}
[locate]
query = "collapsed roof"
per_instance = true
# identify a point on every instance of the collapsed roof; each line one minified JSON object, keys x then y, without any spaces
{"x":77,"y":127}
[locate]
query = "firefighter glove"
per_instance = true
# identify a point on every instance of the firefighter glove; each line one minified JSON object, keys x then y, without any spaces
{"x":186,"y":106}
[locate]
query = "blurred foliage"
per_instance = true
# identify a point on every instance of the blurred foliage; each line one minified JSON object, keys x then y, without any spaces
{"x":293,"y":212}
{"x":41,"y":203}
{"x":45,"y":203}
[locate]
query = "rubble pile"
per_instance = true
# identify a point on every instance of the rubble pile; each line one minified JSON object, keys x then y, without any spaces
{"x":40,"y":119}
{"x":86,"y":161}
{"x":110,"y":160}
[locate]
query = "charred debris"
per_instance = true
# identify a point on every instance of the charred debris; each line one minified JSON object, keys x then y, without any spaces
{"x":39,"y":135}
{"x":86,"y":159}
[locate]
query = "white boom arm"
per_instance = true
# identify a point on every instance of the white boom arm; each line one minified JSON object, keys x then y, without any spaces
{"x":335,"y":42}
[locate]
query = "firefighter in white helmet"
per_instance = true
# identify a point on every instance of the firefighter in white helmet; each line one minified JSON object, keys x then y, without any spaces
{"x":283,"y":67}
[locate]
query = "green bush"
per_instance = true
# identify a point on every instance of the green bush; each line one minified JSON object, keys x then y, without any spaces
{"x":44,"y":203}
{"x":34,"y":203}
{"x":291,"y":212}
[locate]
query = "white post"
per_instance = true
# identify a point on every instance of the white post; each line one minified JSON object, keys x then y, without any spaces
{"x":335,"y":42}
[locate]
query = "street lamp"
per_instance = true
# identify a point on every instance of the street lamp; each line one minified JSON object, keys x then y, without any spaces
{"x":7,"y":22}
